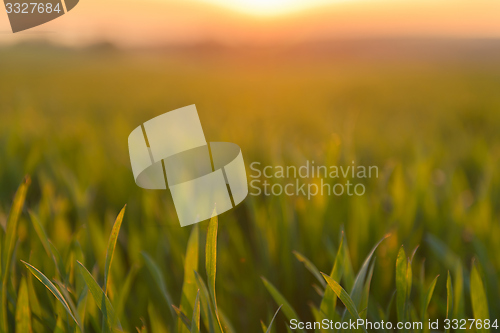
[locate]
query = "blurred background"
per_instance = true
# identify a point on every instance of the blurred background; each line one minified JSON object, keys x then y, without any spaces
{"x":411,"y":86}
{"x":154,"y":23}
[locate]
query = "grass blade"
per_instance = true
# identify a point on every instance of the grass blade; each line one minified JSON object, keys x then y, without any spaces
{"x":51,"y":287}
{"x":478,"y":297}
{"x":160,"y":281}
{"x":280,"y":299}
{"x":35,"y":307}
{"x":264,"y":327}
{"x":23,"y":312}
{"x":389,"y":306}
{"x":182,"y":316}
{"x":206,"y":307}
{"x":111,"y":246}
{"x":329,"y":301}
{"x":9,"y":243}
{"x":10,"y":235}
{"x":100,"y":299}
{"x":64,"y":291}
{"x":42,"y":235}
{"x":211,"y":261}
{"x":348,"y":271}
{"x":125,"y":291}
{"x":366,"y":290}
{"x":59,"y":326}
{"x":189,"y":288}
{"x":317,"y":315}
{"x":401,"y":284}
{"x":428,"y":298}
{"x":458,"y":296}
{"x":409,"y":280}
{"x":357,"y":289}
{"x":155,"y":320}
{"x":449,"y":298}
{"x":226,"y":322}
{"x":310,"y":267}
{"x":272,"y":320}
{"x":344,"y":297}
{"x":81,"y":304}
{"x":195,"y":321}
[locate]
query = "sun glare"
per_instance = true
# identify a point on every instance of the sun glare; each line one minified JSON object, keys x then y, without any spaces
{"x":267,"y":7}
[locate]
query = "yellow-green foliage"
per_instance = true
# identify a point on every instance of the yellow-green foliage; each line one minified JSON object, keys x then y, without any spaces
{"x":431,"y":126}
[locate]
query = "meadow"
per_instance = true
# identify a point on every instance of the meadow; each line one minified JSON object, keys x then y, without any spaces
{"x":84,"y":249}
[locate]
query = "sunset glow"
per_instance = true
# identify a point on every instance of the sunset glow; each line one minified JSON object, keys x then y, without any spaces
{"x":269,"y":7}
{"x":135,"y":23}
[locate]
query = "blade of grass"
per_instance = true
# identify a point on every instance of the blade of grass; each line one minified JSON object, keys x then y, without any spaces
{"x":401,"y":284}
{"x":310,"y":267}
{"x":272,"y":320}
{"x":195,"y":321}
{"x":409,"y":280}
{"x":329,"y":301}
{"x":100,"y":299}
{"x":111,"y":247}
{"x":23,"y":312}
{"x":160,"y":281}
{"x":263,"y":326}
{"x":51,"y":287}
{"x":189,"y":288}
{"x":182,"y":316}
{"x":206,"y":306}
{"x":318,"y":290}
{"x":288,"y":310}
{"x":344,"y":297}
{"x":211,"y":261}
{"x":64,"y":291}
{"x":58,"y":261}
{"x":423,"y":290}
{"x":81,"y":304}
{"x":143,"y":328}
{"x":317,"y":315}
{"x":442,"y":251}
{"x":110,"y":250}
{"x":409,"y":284}
{"x":478,"y":297}
{"x":357,"y":289}
{"x":155,"y":320}
{"x":459,"y":303}
{"x":389,"y":306}
{"x":60,"y":326}
{"x":125,"y":291}
{"x":9,"y":243}
{"x":414,"y":252}
{"x":37,"y":312}
{"x":428,"y":298}
{"x":366,"y":290}
{"x":449,"y":299}
{"x":348,"y":271}
{"x":42,"y":235}
{"x":226,"y":323}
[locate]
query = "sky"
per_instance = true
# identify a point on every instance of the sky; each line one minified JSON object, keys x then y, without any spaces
{"x":146,"y":23}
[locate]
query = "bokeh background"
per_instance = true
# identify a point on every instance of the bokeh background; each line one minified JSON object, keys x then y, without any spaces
{"x":409,"y":86}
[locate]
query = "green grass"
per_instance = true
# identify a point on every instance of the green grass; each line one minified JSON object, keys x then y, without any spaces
{"x":74,"y":259}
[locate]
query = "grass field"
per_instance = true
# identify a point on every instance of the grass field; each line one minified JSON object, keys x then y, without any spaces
{"x":430,"y":123}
